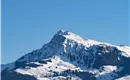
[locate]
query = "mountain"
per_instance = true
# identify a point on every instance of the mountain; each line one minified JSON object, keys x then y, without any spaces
{"x":2,"y":64}
{"x":70,"y":57}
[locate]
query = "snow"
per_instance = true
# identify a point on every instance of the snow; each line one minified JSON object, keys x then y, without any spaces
{"x":109,"y":68}
{"x":56,"y":65}
{"x":89,"y":42}
{"x":107,"y":72}
{"x":125,"y":49}
{"x":124,"y":78}
{"x":60,"y":63}
{"x":80,"y":40}
{"x":71,"y":40}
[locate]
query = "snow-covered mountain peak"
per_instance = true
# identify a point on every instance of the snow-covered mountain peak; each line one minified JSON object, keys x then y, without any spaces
{"x":61,"y":32}
{"x":69,"y":55}
{"x":69,"y":35}
{"x":66,"y":42}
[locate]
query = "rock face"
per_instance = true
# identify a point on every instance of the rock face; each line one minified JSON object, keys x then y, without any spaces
{"x":70,"y":57}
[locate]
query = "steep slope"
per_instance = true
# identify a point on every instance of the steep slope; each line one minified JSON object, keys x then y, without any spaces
{"x":71,"y":57}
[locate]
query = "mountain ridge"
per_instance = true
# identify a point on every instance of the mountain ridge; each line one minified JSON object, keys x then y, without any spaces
{"x":68,"y":53}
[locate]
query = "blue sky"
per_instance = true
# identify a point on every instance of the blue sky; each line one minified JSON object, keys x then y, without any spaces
{"x":28,"y":24}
